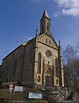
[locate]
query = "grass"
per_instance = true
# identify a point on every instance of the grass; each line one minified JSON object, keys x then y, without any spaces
{"x":19,"y":96}
{"x":5,"y":94}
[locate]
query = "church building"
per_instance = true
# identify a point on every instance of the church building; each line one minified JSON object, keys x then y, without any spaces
{"x":38,"y":61}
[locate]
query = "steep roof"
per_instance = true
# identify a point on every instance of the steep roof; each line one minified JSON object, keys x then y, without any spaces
{"x":22,"y":45}
{"x":45,"y":14}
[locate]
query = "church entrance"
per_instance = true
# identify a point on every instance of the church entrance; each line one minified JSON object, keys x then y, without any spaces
{"x":48,"y":81}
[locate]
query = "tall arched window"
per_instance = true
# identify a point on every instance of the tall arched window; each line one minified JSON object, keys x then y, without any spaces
{"x":46,"y":40}
{"x":47,"y":26}
{"x":39,"y":63}
{"x":56,"y":66}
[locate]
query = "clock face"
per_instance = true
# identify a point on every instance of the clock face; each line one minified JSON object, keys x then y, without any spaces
{"x":48,"y":53}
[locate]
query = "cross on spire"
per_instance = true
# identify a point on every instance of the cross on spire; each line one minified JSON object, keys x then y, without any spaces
{"x":44,"y":4}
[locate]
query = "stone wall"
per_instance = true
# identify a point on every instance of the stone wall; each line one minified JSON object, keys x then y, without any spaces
{"x":29,"y":59}
{"x":1,"y":72}
{"x":13,"y":65}
{"x":19,"y":64}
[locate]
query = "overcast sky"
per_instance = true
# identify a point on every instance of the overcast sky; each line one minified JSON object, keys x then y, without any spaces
{"x":19,"y":20}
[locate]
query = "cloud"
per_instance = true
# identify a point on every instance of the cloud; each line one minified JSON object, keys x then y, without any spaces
{"x":56,"y":14}
{"x":72,"y":11}
{"x":77,"y":53}
{"x":69,"y":7}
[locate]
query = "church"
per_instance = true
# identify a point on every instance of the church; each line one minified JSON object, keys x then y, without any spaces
{"x":38,"y":61}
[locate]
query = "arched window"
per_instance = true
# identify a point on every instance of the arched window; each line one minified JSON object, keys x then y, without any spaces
{"x":39,"y":63}
{"x":49,"y":42}
{"x":56,"y":66}
{"x":39,"y":78}
{"x":47,"y":26}
{"x":46,"y":40}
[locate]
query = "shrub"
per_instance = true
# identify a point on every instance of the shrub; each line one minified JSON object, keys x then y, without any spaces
{"x":19,"y":84}
{"x":0,"y":84}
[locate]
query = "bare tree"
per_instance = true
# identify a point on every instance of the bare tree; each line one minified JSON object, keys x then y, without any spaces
{"x":77,"y":43}
{"x":69,"y":54}
{"x":69,"y":69}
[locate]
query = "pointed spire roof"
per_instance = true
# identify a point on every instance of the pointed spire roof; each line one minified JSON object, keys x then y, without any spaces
{"x":45,"y":14}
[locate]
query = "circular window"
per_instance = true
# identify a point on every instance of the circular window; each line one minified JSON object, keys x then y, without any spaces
{"x":48,"y":53}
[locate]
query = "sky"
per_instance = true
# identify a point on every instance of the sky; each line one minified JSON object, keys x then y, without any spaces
{"x":19,"y":20}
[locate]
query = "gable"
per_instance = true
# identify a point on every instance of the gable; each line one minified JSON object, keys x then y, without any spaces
{"x":47,"y":40}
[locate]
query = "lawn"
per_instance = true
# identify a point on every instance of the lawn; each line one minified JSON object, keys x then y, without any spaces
{"x":19,"y":96}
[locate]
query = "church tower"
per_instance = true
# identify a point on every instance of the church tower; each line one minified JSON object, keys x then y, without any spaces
{"x":45,"y":23}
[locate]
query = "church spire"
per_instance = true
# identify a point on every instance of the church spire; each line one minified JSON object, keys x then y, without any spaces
{"x":45,"y":23}
{"x":45,"y":14}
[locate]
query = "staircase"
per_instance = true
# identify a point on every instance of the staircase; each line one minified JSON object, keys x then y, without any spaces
{"x":55,"y":94}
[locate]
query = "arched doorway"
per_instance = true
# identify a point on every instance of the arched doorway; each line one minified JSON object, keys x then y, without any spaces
{"x":48,"y":77}
{"x":47,"y":81}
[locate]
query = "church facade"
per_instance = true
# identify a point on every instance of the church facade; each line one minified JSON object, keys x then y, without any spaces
{"x":38,"y":61}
